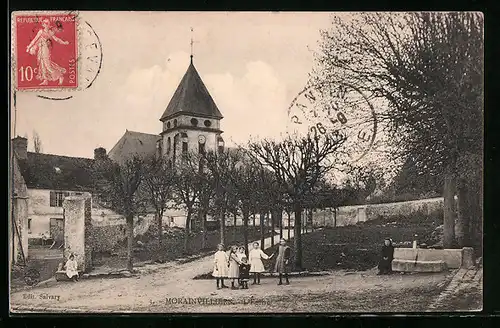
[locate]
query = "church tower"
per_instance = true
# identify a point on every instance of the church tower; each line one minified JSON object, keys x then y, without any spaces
{"x":191,"y":121}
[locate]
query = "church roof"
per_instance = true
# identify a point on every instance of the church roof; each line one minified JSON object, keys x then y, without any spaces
{"x":134,"y":143}
{"x":192,"y":97}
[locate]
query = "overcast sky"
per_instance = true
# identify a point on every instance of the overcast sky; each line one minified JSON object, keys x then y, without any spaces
{"x":253,"y":64}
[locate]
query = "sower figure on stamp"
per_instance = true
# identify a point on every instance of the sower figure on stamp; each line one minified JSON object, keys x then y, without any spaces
{"x":283,"y":254}
{"x":220,"y":266}
{"x":234,"y":263}
{"x":41,"y":47}
{"x":256,"y":266}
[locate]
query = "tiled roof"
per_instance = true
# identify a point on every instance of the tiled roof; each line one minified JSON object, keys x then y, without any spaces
{"x":134,"y":143}
{"x":46,"y":171}
{"x":192,"y":97}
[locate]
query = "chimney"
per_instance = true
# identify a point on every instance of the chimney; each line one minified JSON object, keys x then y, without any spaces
{"x":99,"y":153}
{"x":20,"y":147}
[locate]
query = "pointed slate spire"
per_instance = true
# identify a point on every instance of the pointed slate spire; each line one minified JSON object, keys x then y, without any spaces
{"x":192,"y":97}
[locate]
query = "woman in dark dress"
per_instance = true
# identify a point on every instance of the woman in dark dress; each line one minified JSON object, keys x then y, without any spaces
{"x":385,"y":264}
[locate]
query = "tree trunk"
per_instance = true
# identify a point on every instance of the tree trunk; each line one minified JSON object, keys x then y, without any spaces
{"x":289,"y":224}
{"x":449,"y":210}
{"x":159,"y":253}
{"x":476,"y":220}
{"x":222,"y":227}
{"x":297,"y":238}
{"x":280,"y":220}
{"x":234,"y":228}
{"x":464,"y":215}
{"x":130,"y":243}
{"x":204,"y":228}
{"x":262,"y":238}
{"x":245,"y":230}
{"x":186,"y":232}
{"x":273,"y":213}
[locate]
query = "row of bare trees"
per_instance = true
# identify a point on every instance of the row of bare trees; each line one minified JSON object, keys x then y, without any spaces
{"x":266,"y":179}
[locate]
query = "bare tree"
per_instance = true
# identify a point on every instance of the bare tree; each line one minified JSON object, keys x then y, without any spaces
{"x":428,"y":69}
{"x":120,"y":184}
{"x":158,"y":185}
{"x":298,"y":163}
{"x":37,"y":142}
{"x":187,"y":189}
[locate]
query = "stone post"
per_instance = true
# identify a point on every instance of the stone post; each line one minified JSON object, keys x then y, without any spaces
{"x":77,"y":211}
{"x":468,"y":260}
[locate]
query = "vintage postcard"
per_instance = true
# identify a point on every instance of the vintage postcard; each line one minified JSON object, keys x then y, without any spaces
{"x":246,"y":162}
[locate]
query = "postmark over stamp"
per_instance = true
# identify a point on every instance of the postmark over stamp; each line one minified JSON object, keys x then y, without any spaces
{"x":46,"y":51}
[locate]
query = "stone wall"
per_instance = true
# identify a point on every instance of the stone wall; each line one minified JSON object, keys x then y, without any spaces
{"x":350,"y":215}
{"x":77,"y":228}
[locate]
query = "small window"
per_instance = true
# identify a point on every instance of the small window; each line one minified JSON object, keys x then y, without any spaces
{"x":168,"y":145}
{"x":194,"y":122}
{"x":57,"y":198}
{"x":207,"y":123}
{"x":29,"y":225}
{"x":175,"y":123}
{"x":184,"y":147}
{"x":201,"y":148}
{"x":221,"y":149}
{"x":168,"y":125}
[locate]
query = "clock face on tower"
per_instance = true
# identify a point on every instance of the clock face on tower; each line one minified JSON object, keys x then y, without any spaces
{"x":201,"y":139}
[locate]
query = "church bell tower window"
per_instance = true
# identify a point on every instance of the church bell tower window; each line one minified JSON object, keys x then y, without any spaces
{"x":175,"y":123}
{"x":207,"y":123}
{"x":194,"y":122}
{"x":168,"y":125}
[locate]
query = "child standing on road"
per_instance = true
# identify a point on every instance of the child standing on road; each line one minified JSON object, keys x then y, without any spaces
{"x":234,"y":262}
{"x":283,"y":254}
{"x":244,"y":273}
{"x":256,"y":266}
{"x":220,"y":266}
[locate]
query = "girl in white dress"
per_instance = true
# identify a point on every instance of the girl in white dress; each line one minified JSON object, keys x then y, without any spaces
{"x":234,"y":270}
{"x":220,"y":266}
{"x":72,"y":268}
{"x":256,"y":265}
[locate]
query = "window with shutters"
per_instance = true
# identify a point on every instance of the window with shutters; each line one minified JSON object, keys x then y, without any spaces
{"x":57,"y":198}
{"x":184,"y":147}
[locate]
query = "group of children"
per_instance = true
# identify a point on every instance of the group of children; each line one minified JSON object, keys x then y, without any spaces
{"x":235,"y":265}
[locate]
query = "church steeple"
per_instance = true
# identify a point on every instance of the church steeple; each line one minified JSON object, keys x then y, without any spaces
{"x":192,"y":98}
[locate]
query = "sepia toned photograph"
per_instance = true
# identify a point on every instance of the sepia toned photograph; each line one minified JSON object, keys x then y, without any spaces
{"x":246,"y":162}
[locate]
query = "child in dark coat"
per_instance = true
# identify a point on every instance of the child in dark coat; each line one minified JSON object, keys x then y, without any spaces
{"x":387,"y":255}
{"x":244,"y":273}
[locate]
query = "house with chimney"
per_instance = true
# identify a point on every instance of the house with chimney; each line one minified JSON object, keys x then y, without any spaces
{"x":47,"y":180}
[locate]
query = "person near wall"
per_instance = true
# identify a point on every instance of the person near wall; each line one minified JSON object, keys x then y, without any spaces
{"x":283,"y":254}
{"x":256,"y":266}
{"x":387,"y":255}
{"x":72,"y":268}
{"x":220,"y":266}
{"x":234,"y":262}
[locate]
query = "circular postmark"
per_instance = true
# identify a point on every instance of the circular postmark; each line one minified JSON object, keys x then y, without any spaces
{"x":337,"y":110}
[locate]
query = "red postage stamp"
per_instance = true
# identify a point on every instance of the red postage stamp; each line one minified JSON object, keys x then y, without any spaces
{"x":46,"y":50}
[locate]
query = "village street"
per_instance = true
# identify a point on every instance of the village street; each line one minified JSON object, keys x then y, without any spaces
{"x":172,"y":289}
